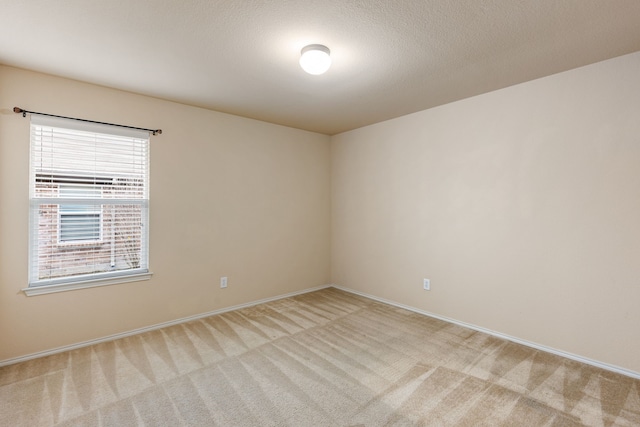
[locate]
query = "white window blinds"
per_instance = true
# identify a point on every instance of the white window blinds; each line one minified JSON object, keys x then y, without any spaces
{"x":89,"y":200}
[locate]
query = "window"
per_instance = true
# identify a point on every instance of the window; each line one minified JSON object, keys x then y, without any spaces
{"x":89,"y":201}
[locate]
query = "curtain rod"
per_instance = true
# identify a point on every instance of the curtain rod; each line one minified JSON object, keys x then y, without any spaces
{"x":24,"y":114}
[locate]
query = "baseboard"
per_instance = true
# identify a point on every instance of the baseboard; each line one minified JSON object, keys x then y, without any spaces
{"x":154,"y":327}
{"x":537,"y":346}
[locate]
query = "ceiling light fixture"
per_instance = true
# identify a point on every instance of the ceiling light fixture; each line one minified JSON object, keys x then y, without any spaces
{"x":315,"y":59}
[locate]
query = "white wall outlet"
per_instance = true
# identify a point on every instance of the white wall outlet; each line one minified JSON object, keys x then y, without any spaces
{"x":426,"y":284}
{"x":223,"y":282}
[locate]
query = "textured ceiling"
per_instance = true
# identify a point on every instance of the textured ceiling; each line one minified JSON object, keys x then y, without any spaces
{"x":390,"y":58}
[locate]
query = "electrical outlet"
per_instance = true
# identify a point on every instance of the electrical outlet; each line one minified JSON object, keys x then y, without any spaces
{"x":223,"y":282}
{"x":426,"y":284}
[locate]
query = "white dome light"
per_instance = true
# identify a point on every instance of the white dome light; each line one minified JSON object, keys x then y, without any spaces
{"x":315,"y":59}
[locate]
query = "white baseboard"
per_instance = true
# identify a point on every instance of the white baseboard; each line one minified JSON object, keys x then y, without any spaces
{"x":544,"y":348}
{"x":561,"y":353}
{"x":153,"y":327}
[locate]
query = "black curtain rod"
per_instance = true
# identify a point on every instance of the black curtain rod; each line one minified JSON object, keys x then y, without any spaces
{"x":24,"y":114}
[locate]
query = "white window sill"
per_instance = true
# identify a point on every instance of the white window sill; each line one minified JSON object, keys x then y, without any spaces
{"x":92,"y":283}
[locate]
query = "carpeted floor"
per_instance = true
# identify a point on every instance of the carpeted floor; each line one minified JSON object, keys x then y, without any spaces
{"x":326,"y":358}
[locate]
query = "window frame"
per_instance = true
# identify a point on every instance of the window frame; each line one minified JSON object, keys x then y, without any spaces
{"x":73,"y":281}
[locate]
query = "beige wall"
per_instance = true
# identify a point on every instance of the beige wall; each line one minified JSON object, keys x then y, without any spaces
{"x":522,"y":206}
{"x":229,"y":197}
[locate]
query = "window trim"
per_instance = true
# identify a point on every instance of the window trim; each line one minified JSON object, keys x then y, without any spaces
{"x":67,"y":285}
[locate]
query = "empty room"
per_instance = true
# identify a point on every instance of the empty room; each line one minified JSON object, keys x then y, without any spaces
{"x":320,"y":213}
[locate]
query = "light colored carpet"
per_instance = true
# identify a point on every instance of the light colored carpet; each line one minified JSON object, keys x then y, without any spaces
{"x":327,"y":358}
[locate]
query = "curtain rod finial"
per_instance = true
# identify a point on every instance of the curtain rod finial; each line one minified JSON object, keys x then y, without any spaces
{"x":20,"y":110}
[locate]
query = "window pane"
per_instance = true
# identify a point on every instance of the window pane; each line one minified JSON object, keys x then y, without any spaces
{"x":113,"y":242}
